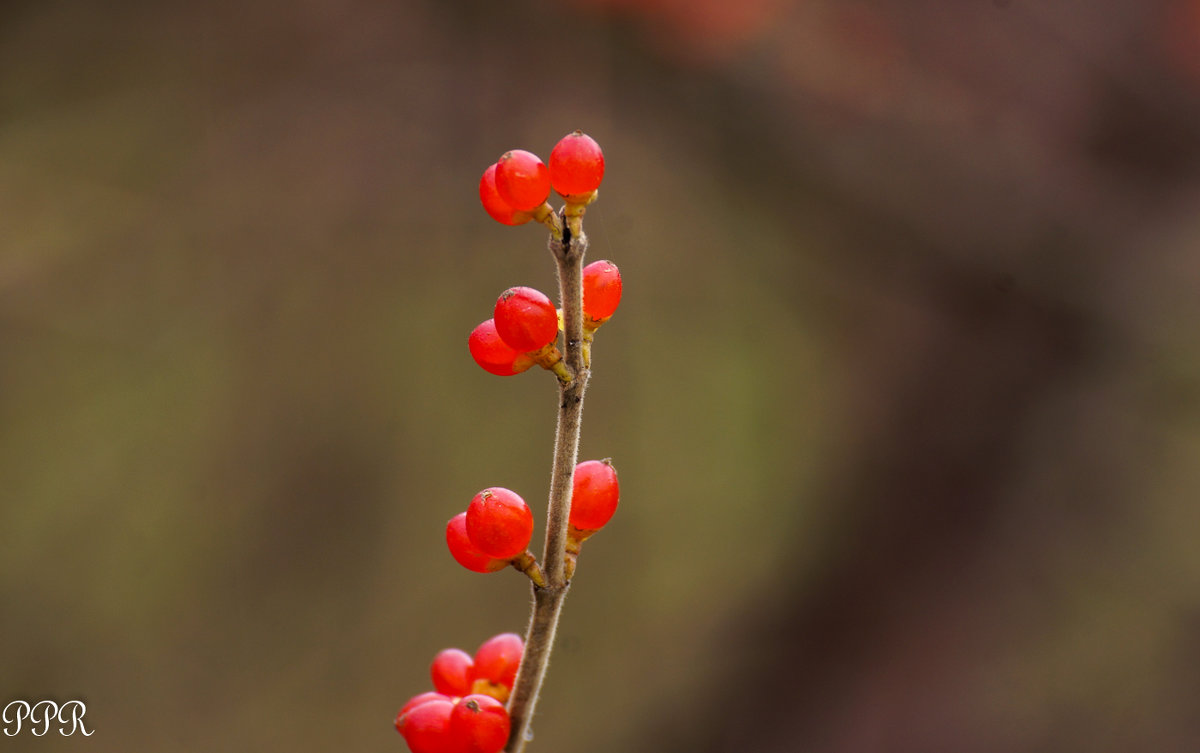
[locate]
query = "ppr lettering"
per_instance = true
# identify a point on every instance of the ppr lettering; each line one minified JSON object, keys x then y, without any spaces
{"x":39,"y":717}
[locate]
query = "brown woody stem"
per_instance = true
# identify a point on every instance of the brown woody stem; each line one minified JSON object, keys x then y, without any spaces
{"x":568,"y":253}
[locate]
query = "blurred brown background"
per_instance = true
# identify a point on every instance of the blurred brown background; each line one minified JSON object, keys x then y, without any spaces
{"x":904,"y":391}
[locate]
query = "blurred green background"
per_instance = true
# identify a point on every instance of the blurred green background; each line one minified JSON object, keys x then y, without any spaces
{"x":904,"y":390}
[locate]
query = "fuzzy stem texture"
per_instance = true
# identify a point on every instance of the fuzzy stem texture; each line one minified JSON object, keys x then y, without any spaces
{"x":548,"y":600}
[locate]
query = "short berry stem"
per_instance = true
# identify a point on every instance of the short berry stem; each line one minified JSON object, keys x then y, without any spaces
{"x":548,"y":217}
{"x":568,"y":253}
{"x":528,"y":564}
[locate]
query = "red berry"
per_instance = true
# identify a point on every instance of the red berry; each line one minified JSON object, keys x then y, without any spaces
{"x":526,"y":319}
{"x":499,"y":523}
{"x":522,"y":180}
{"x":465,"y":552}
{"x":417,"y":700}
{"x":576,"y":164}
{"x":601,"y":290}
{"x":493,"y":354}
{"x":426,"y":727}
{"x":498,"y":208}
{"x":498,"y":658}
{"x":451,"y":671}
{"x":594,"y":494}
{"x":479,"y":724}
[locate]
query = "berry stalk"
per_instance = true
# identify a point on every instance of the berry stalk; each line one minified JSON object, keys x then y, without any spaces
{"x":547,"y":601}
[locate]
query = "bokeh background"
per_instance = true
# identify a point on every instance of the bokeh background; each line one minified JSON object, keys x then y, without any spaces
{"x":904,"y":391}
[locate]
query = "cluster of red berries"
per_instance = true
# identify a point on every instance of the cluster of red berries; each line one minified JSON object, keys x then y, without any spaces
{"x":496,"y":527}
{"x":515,"y":189}
{"x":464,"y":713}
{"x":524,"y":326}
{"x":494,"y":530}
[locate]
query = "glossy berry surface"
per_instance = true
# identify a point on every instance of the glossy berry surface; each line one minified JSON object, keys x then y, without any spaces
{"x":522,"y":180}
{"x":417,"y":700}
{"x":594,"y":495}
{"x":464,"y":552}
{"x":426,"y":727}
{"x":526,"y":319}
{"x":601,"y":290}
{"x":499,"y":523}
{"x":576,"y":165}
{"x":479,"y":724}
{"x":498,"y":658}
{"x":500,"y":210}
{"x":451,"y":671}
{"x":493,"y":354}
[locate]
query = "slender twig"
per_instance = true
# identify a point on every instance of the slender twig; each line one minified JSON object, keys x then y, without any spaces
{"x":568,"y":253}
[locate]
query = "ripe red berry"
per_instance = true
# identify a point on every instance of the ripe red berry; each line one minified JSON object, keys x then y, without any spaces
{"x":499,"y":523}
{"x":497,"y":207}
{"x":594,"y":494}
{"x":464,"y":551}
{"x":451,"y":671}
{"x":479,"y":724}
{"x":417,"y":700}
{"x":576,"y":165}
{"x":522,"y":180}
{"x":526,"y":319}
{"x":498,"y":658}
{"x":426,"y":727}
{"x":493,"y":354}
{"x":601,"y":290}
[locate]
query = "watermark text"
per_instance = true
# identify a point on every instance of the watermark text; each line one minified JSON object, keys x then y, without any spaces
{"x":38,"y":717}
